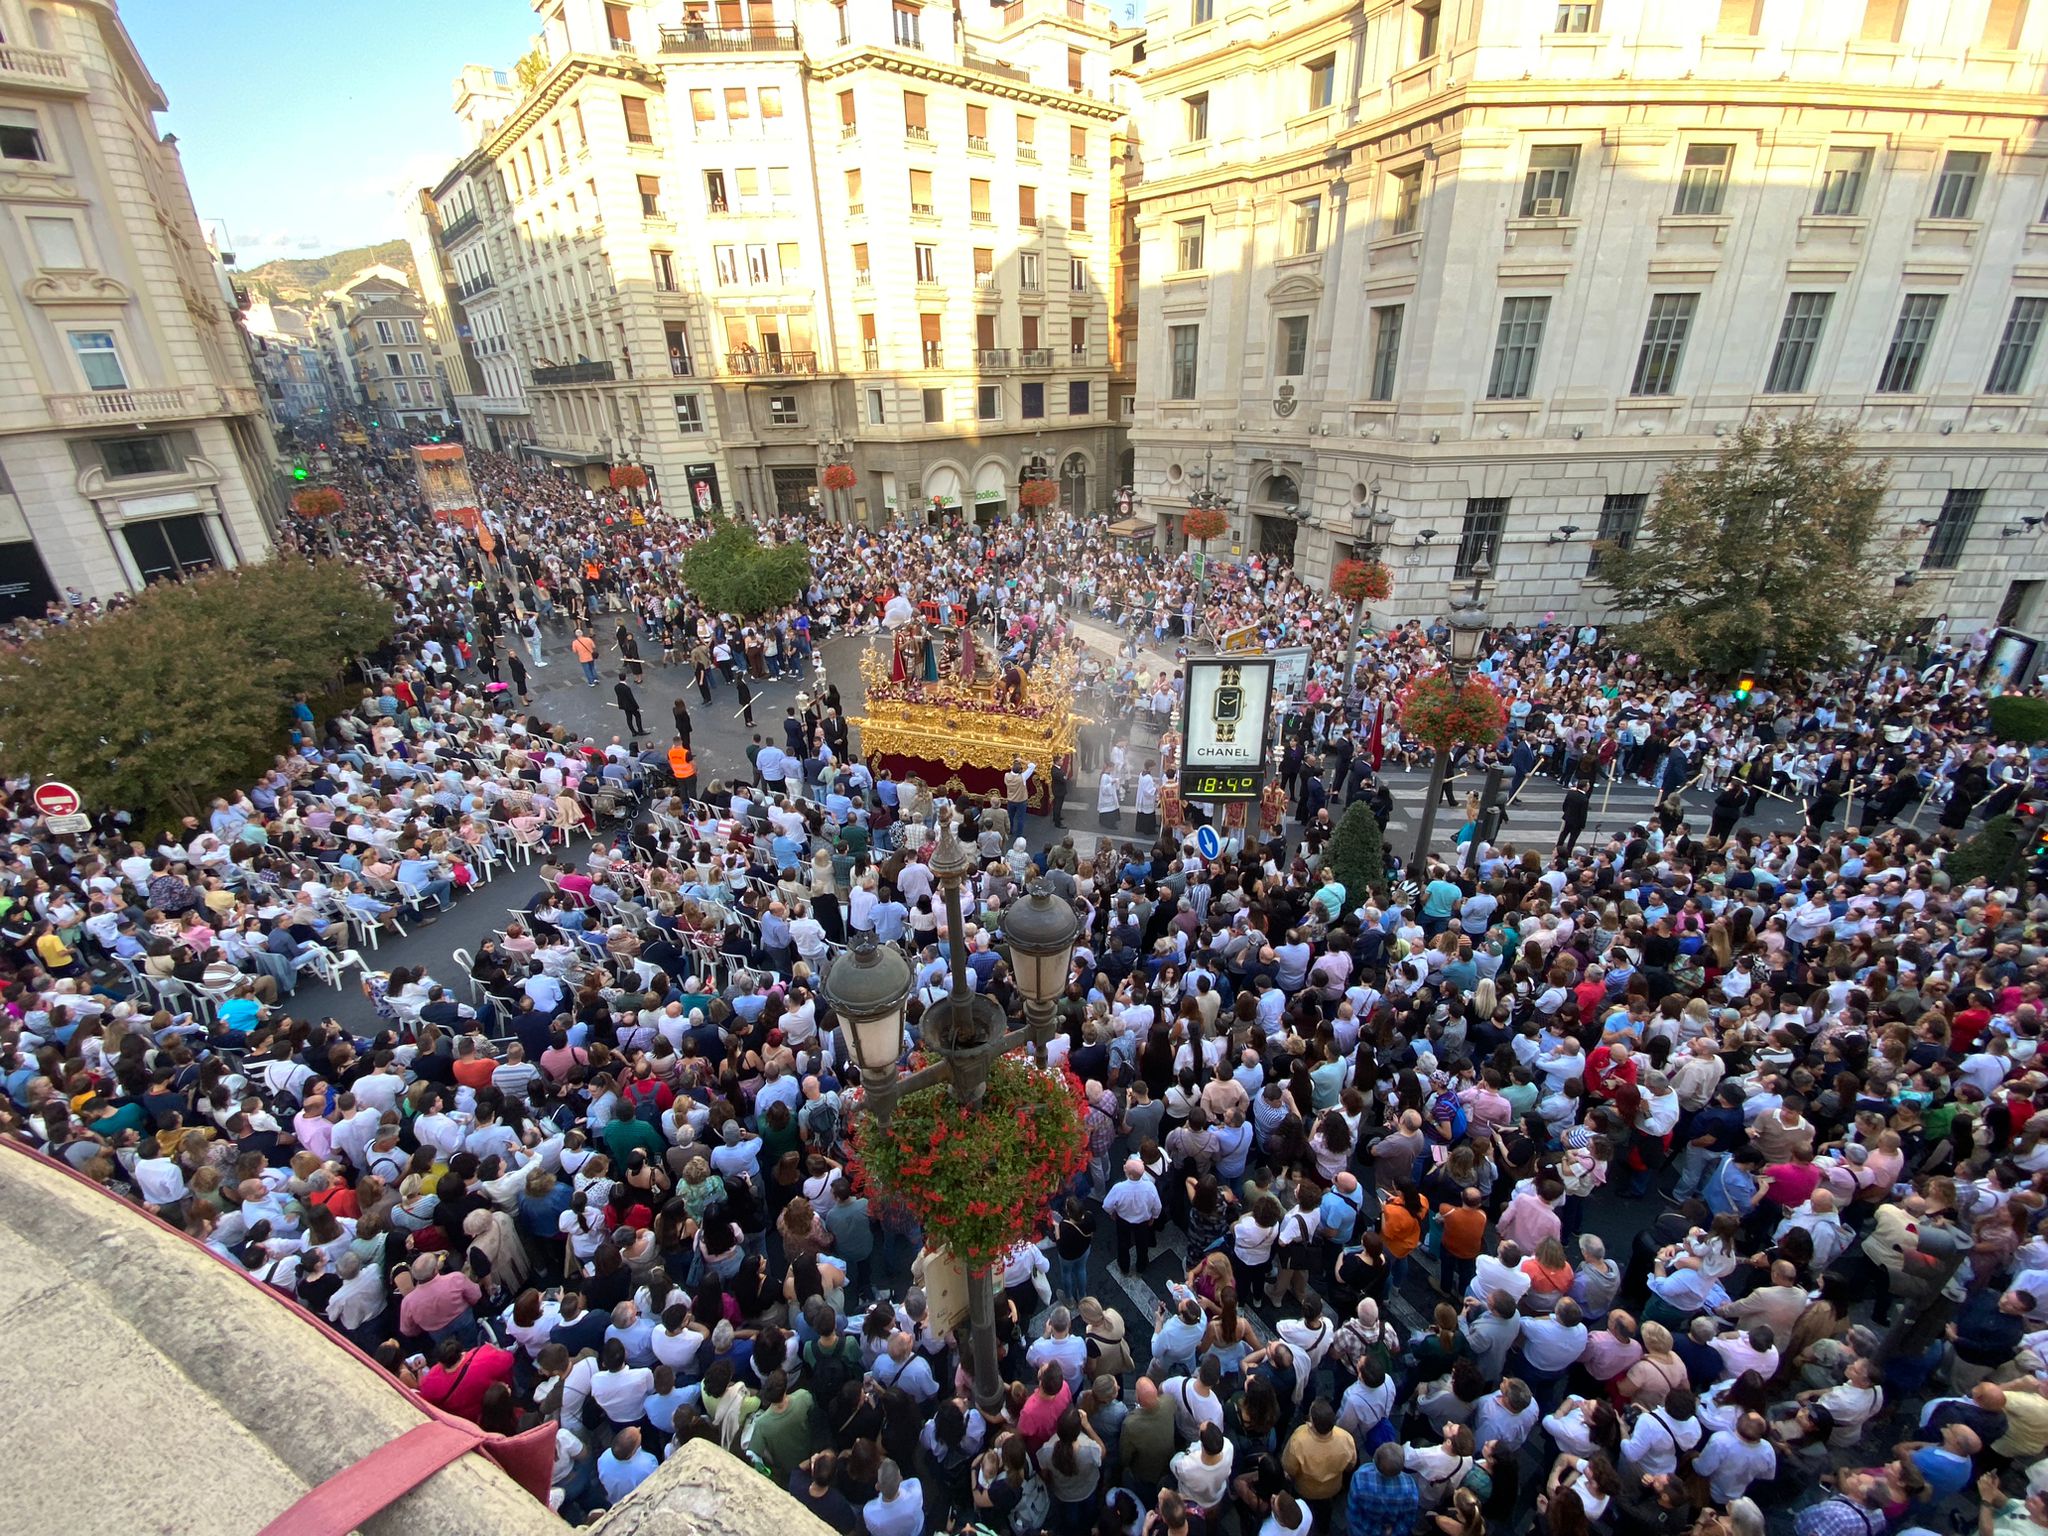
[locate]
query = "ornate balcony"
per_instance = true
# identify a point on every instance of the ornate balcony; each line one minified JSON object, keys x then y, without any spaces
{"x":101,"y":406}
{"x":572,"y":373}
{"x":700,"y":39}
{"x":772,"y":364}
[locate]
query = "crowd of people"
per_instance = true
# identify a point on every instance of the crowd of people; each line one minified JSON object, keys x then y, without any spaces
{"x":601,"y":1175}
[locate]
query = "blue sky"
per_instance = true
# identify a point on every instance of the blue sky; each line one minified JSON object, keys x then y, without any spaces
{"x":299,"y":120}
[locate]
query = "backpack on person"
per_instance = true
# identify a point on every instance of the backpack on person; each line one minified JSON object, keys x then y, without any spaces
{"x":830,"y":1370}
{"x":1034,"y":1504}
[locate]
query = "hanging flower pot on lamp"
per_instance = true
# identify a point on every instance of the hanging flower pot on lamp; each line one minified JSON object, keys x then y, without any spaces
{"x":837,"y":477}
{"x":1037,"y":494}
{"x":1205,"y":523}
{"x":1362,"y":581}
{"x":1440,"y":713}
{"x":628,"y":477}
{"x":317,"y":502}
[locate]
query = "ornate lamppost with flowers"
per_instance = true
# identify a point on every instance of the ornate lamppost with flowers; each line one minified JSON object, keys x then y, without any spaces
{"x":1363,"y":579}
{"x":321,"y":505}
{"x":974,"y":1141}
{"x":1444,"y":709}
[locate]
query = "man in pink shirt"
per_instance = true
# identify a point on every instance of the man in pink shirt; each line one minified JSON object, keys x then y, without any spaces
{"x":1042,"y":1409}
{"x":439,"y":1303}
{"x":1530,"y":1218}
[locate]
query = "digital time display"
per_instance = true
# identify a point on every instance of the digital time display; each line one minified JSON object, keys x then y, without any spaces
{"x":1206,"y":784}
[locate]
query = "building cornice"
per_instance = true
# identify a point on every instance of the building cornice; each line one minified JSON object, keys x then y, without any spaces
{"x":2023,"y":130}
{"x":552,"y":87}
{"x":917,"y":66}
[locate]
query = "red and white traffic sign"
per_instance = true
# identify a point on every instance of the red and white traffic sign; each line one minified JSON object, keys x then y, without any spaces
{"x":55,"y":799}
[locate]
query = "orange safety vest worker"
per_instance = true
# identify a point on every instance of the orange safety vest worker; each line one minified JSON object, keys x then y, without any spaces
{"x":679,"y":764}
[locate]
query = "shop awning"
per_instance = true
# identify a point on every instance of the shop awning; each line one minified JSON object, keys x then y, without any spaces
{"x":1133,"y":528}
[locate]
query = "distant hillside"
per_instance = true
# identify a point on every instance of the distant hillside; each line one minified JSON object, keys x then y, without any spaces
{"x":303,"y":277}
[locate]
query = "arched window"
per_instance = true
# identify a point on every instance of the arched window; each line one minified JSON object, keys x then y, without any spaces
{"x":1074,"y":485}
{"x":1281,"y":491}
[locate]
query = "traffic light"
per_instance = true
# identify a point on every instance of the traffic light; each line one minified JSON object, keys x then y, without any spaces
{"x":298,"y":471}
{"x":1743,"y":688}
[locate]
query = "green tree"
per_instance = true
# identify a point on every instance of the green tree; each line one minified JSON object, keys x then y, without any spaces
{"x":2019,"y":717}
{"x":1358,"y":854}
{"x":733,"y":572}
{"x":1778,"y":544}
{"x":159,"y":707}
{"x":1993,"y":853}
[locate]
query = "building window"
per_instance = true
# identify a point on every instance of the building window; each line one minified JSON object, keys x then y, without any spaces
{"x":1032,"y":402}
{"x":1955,"y":190}
{"x":689,"y":413}
{"x":1621,"y":519}
{"x":1386,"y":350}
{"x":1322,"y":82}
{"x":909,"y":33}
{"x":1077,"y":275}
{"x":1127,"y":407}
{"x":1664,"y":343}
{"x":171,"y":548}
{"x":1739,"y":18}
{"x":1883,"y":21}
{"x":126,"y":456}
{"x":925,"y":262}
{"x":988,"y":402}
{"x":384,"y":332}
{"x":1911,"y":338}
{"x":1027,"y":271}
{"x":1574,"y":18}
{"x":1201,"y":13}
{"x":1197,"y":111}
{"x":21,"y":136}
{"x":1486,"y":517}
{"x":878,"y":415}
{"x":650,"y":196}
{"x":770,"y":98}
{"x":57,"y":244}
{"x":1952,"y":530}
{"x":921,"y":204}
{"x":678,"y":341}
{"x":1798,"y":341}
{"x":1308,"y":226}
{"x":1841,"y":182}
{"x":408,"y":330}
{"x":1183,"y":344}
{"x":1027,"y":207}
{"x":99,"y":359}
{"x":638,"y":129}
{"x":703,"y":107}
{"x":1075,"y":79}
{"x":2003,"y":22}
{"x":1077,"y":212}
{"x":1406,"y":189}
{"x":1547,"y":187}
{"x":404,"y":392}
{"x":664,"y":270}
{"x":419,"y":363}
{"x":1190,"y":244}
{"x":1077,"y":398}
{"x":1293,"y":346}
{"x":737,"y":107}
{"x":618,"y":26}
{"x":1703,"y":180}
{"x":758,"y":271}
{"x":782,"y":411}
{"x":1515,"y":348}
{"x":2016,"y":347}
{"x":1428,"y":23}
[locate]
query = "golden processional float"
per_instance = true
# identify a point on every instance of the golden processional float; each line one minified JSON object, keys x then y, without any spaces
{"x":940,"y":711}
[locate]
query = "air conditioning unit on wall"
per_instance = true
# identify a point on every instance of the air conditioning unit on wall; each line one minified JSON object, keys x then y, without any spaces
{"x":1547,"y":208}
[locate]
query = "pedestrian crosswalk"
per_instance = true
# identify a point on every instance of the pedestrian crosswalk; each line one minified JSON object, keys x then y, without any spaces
{"x":1536,"y":814}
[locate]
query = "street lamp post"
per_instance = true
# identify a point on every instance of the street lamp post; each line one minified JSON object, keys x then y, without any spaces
{"x":964,"y":1031}
{"x":1210,"y":498}
{"x":1375,"y":524}
{"x":1468,"y":630}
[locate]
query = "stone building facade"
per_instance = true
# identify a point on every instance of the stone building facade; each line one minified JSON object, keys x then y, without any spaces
{"x":134,"y":445}
{"x":1488,"y":269}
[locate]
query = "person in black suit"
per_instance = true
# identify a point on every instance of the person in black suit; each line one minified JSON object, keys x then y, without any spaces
{"x":1578,"y":804}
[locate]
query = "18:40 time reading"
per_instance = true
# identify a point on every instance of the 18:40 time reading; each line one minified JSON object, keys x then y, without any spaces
{"x":1200,"y":785}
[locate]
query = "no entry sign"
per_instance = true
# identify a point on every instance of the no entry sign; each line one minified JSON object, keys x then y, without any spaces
{"x":54,"y":799}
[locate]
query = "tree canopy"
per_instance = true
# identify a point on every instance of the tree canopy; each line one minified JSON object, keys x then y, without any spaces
{"x":160,"y":706}
{"x":733,"y":572}
{"x":1777,"y":545}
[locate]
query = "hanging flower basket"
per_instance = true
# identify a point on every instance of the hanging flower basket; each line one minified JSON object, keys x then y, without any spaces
{"x":1440,"y":715}
{"x":628,"y":477}
{"x":317,"y":502}
{"x":978,"y":1179}
{"x":1362,"y":581}
{"x":837,"y":477}
{"x":1205,"y":523}
{"x":1037,"y":493}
